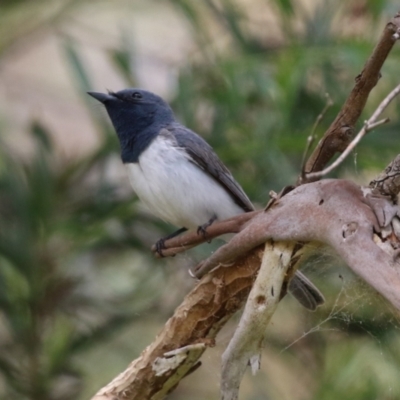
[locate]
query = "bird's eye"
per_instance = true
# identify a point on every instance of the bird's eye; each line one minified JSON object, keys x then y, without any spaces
{"x":136,"y":95}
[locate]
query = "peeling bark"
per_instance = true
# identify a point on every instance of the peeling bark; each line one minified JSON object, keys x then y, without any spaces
{"x":388,"y":182}
{"x":337,"y":213}
{"x":245,"y":346}
{"x":186,"y":334}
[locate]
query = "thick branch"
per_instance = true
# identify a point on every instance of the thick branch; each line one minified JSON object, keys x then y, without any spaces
{"x":246,"y":344}
{"x":337,"y":213}
{"x":340,"y":133}
{"x":196,"y":321}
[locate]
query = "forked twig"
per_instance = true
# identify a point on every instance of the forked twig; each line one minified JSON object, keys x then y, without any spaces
{"x":369,"y":125}
{"x":339,"y":135}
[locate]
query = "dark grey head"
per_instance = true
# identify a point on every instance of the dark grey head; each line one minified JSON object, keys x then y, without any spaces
{"x":134,"y":109}
{"x":137,"y":116}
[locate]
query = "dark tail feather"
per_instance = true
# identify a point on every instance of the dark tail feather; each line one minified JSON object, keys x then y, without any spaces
{"x":306,"y":292}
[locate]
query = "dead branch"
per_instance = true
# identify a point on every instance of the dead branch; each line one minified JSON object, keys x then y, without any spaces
{"x":196,"y":321}
{"x":261,"y":304}
{"x":181,"y":243}
{"x":311,"y":138}
{"x":339,"y":134}
{"x":337,"y":213}
{"x":369,"y":125}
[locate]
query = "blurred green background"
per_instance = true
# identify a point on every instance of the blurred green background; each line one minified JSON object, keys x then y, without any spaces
{"x":80,"y":293}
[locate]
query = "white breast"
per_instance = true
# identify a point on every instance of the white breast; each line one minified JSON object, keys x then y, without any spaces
{"x":176,"y":190}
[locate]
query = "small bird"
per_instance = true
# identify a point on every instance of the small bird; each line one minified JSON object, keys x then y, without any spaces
{"x":177,"y":174}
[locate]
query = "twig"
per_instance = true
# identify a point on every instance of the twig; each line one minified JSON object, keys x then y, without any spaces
{"x":369,"y":125}
{"x":311,"y":138}
{"x":366,"y":128}
{"x":339,"y":135}
{"x":190,"y":239}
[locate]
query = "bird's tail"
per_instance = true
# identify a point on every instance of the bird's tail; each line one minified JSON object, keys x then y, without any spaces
{"x":305,"y":292}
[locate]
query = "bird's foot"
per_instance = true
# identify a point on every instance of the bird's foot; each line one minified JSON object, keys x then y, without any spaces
{"x":160,"y":244}
{"x":202,"y":229}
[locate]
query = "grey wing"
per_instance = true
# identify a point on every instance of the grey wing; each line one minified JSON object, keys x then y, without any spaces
{"x":203,"y":155}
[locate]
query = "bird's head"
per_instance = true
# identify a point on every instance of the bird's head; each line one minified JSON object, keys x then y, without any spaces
{"x":133,"y":110}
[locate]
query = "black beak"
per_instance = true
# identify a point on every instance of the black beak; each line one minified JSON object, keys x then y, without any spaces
{"x":101,"y":97}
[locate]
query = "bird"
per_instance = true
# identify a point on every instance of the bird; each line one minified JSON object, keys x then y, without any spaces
{"x":177,"y":174}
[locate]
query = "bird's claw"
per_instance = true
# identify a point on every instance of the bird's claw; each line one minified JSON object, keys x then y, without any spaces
{"x":160,"y":246}
{"x":202,"y":229}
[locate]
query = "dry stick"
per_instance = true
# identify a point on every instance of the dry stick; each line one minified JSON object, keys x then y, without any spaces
{"x":369,"y":125}
{"x":311,"y":138}
{"x":190,"y":239}
{"x":339,"y":135}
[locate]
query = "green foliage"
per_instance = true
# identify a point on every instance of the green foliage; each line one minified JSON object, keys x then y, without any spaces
{"x":21,"y":18}
{"x":260,"y":105}
{"x":51,"y":309}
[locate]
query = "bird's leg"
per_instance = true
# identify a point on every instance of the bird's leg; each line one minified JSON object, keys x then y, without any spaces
{"x":160,"y":244}
{"x":202,"y":229}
